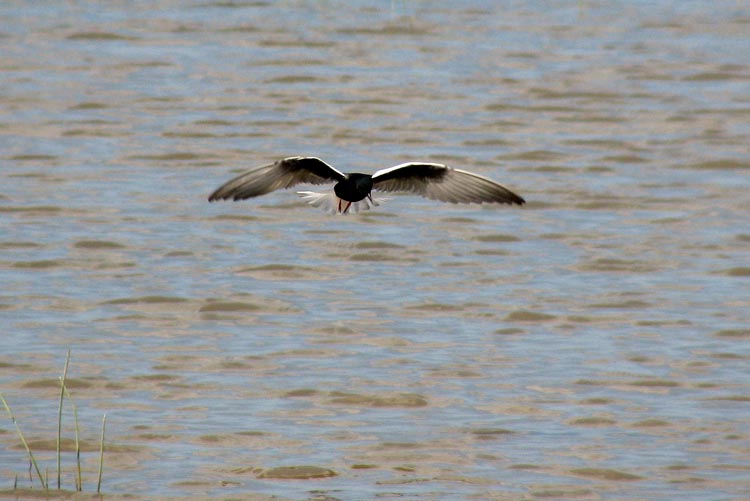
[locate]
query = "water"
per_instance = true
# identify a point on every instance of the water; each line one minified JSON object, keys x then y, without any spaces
{"x":592,"y":344}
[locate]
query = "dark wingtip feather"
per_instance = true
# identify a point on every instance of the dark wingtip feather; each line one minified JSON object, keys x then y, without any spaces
{"x":218,"y":195}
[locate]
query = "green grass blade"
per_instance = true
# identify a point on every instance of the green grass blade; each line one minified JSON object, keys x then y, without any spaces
{"x":79,"y":482}
{"x":23,"y":441}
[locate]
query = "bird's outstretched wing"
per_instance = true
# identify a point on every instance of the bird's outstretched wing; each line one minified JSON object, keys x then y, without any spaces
{"x":280,"y":174}
{"x":443,"y":183}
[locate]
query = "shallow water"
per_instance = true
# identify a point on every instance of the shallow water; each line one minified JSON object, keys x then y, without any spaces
{"x":592,"y":344}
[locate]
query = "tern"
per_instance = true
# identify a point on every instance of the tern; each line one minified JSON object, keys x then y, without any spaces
{"x":353,"y":191}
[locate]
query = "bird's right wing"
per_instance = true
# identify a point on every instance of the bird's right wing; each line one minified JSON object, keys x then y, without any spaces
{"x":283,"y":173}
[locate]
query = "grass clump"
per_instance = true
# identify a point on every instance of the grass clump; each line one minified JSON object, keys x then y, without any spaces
{"x":44,"y":479}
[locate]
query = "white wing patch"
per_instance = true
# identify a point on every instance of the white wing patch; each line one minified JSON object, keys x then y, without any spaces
{"x":401,"y":166}
{"x":330,"y":203}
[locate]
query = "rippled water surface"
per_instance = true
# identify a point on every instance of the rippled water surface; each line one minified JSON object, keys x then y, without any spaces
{"x":593,"y":344}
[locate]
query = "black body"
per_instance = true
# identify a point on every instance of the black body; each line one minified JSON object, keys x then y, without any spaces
{"x":354,"y":187}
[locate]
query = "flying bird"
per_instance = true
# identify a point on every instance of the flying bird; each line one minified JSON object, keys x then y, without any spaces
{"x":353,"y":192}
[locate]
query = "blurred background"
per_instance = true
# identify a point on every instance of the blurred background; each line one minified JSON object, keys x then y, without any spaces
{"x":592,"y":344}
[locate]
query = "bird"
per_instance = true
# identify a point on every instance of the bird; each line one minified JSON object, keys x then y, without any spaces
{"x":353,"y":191}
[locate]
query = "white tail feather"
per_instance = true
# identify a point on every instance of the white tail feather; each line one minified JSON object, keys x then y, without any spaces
{"x":332,"y":204}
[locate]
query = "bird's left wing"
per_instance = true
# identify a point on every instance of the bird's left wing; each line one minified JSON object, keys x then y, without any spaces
{"x":440,"y":182}
{"x":280,"y":174}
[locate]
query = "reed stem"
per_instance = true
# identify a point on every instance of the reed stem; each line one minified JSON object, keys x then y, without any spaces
{"x":59,"y":415}
{"x":101,"y":455}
